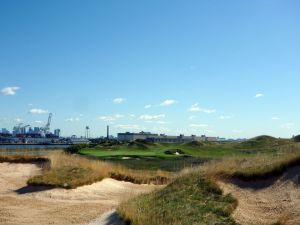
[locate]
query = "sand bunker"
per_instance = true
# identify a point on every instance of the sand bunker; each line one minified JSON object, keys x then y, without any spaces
{"x":31,"y":205}
{"x":266,"y":202}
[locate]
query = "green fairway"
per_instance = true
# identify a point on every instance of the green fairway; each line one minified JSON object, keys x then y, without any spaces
{"x":175,"y":156}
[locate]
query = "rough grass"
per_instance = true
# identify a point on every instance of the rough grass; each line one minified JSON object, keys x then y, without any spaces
{"x":190,"y":199}
{"x":22,"y":158}
{"x":259,"y":166}
{"x":71,"y":171}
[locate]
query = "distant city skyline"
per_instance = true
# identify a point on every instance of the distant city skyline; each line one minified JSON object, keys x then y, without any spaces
{"x":177,"y":67}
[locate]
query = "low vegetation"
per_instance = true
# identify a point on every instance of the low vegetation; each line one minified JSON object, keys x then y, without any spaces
{"x":190,"y":199}
{"x":22,"y":158}
{"x":71,"y":171}
{"x":257,"y":167}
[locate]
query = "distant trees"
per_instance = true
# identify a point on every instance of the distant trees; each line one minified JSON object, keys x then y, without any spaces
{"x":297,"y":138}
{"x":74,"y":149}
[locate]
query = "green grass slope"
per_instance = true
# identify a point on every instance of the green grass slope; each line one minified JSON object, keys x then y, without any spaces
{"x":190,"y":199}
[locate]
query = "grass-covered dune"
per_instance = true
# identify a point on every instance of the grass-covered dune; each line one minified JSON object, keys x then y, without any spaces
{"x":190,"y":199}
{"x":194,"y":197}
{"x":71,"y":171}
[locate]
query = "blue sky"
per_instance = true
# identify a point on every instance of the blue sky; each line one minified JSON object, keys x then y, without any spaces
{"x":220,"y":68}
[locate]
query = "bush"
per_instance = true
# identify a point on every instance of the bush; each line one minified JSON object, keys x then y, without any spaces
{"x":73,"y":149}
{"x":297,"y":138}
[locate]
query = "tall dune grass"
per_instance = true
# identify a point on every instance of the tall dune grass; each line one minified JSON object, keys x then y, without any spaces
{"x":258,"y":166}
{"x":71,"y":171}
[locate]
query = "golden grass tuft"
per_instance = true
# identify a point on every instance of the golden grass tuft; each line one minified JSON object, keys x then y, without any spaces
{"x":247,"y":168}
{"x":71,"y":171}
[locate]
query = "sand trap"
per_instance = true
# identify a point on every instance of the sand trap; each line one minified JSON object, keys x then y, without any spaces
{"x":265,"y":202}
{"x":22,"y":205}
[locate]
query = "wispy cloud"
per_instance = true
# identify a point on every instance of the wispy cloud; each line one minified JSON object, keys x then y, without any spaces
{"x":9,"y":91}
{"x":288,"y":126}
{"x":275,"y":118}
{"x":128,"y":126}
{"x":258,"y":95}
{"x":147,"y":106}
{"x":110,"y":118}
{"x":225,"y":117}
{"x":19,"y":120}
{"x":196,"y":108}
{"x":76,"y":119}
{"x":38,"y":121}
{"x":38,"y":111}
{"x":152,"y":117}
{"x":168,"y":102}
{"x":198,"y":125}
{"x":237,"y":131}
{"x":119,"y":100}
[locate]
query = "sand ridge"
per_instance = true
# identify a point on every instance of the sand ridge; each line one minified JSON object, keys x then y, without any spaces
{"x":264,"y":202}
{"x":22,"y":205}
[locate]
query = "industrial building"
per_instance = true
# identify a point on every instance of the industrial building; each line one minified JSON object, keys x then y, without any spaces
{"x":147,"y":136}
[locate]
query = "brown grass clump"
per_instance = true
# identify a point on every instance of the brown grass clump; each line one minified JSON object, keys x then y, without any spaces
{"x":22,"y":158}
{"x":249,"y":168}
{"x":71,"y":171}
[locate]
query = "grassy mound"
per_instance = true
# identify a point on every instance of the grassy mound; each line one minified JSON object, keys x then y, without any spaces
{"x":251,"y":168}
{"x":70,"y":171}
{"x":190,"y":199}
{"x":193,"y":144}
{"x":137,"y":145}
{"x":262,"y":142}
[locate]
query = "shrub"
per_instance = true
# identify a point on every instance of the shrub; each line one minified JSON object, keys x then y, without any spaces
{"x":73,"y":149}
{"x":297,"y":138}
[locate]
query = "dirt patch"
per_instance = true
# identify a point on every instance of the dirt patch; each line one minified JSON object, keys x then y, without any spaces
{"x":35,"y":205}
{"x":267,"y":201}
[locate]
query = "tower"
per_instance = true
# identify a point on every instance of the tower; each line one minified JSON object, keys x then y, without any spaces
{"x":107,"y":132}
{"x":87,"y":132}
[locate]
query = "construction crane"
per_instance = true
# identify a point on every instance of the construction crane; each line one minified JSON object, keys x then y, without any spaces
{"x":46,"y":128}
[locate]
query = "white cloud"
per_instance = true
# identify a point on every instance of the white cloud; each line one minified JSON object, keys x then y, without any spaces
{"x":38,"y":121}
{"x":195,"y":108}
{"x":237,"y":131}
{"x":152,"y":117}
{"x":118,"y":116}
{"x":198,"y":125}
{"x":224,"y":117}
{"x":192,"y":117}
{"x":168,"y":102}
{"x":128,"y":126}
{"x":258,"y":95}
{"x":76,"y":119}
{"x":38,"y":111}
{"x":110,"y":118}
{"x":18,"y":120}
{"x":10,"y":91}
{"x":275,"y":118}
{"x":147,"y":106}
{"x":107,"y":118}
{"x":119,"y":100}
{"x":288,"y":126}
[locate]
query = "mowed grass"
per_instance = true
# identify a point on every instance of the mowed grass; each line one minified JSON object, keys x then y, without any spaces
{"x":71,"y":171}
{"x":190,"y":199}
{"x":261,"y":144}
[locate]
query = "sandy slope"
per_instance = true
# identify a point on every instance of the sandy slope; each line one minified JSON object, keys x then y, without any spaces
{"x":21,"y":205}
{"x":265,"y":202}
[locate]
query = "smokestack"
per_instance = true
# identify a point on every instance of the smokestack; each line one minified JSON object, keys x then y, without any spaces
{"x":107,"y":133}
